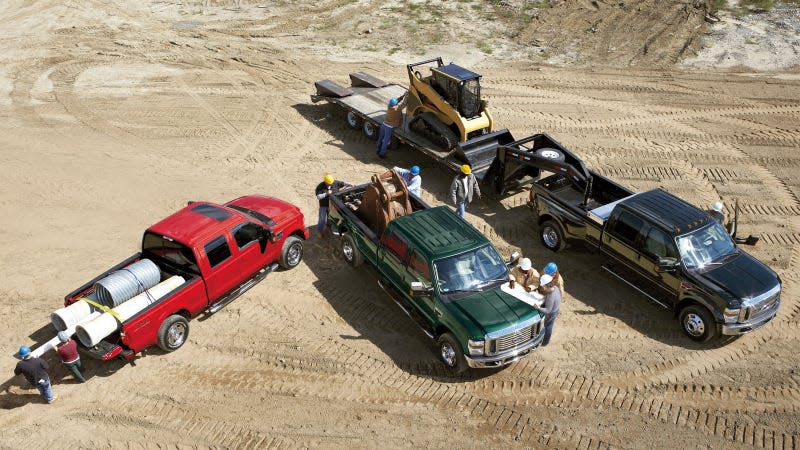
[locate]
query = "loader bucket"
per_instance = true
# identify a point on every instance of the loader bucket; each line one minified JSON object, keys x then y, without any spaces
{"x":481,"y":151}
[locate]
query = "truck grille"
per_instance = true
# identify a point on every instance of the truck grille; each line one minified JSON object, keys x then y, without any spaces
{"x":764,"y":305}
{"x":510,"y":339}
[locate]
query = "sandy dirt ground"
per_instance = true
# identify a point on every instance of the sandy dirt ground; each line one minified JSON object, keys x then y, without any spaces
{"x":115,"y":114}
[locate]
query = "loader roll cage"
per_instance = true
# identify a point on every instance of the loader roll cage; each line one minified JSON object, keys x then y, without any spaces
{"x":461,"y":88}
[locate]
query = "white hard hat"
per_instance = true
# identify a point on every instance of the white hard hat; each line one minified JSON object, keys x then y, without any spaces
{"x":717,"y":206}
{"x":525,"y":264}
{"x":545,"y":279}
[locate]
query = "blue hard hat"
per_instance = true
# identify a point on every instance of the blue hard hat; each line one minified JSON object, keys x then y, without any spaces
{"x":393,"y":102}
{"x":24,"y":351}
{"x":550,"y":268}
{"x":414,"y":170}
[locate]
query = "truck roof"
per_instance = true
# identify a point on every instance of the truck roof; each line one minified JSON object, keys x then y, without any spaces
{"x":198,"y":221}
{"x":677,"y":215}
{"x":439,"y":232}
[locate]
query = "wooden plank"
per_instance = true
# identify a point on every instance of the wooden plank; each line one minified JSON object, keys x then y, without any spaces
{"x":329,"y":88}
{"x":362,"y":79}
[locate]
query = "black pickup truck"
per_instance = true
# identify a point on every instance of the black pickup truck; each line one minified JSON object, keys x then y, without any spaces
{"x":662,"y":246}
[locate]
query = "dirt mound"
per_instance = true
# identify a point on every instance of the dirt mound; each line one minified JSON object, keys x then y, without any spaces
{"x":652,"y":33}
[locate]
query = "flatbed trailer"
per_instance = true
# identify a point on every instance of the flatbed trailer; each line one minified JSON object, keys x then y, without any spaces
{"x":365,"y":103}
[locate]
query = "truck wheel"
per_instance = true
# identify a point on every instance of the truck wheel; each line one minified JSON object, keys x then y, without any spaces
{"x":350,"y":251}
{"x":698,"y":323}
{"x":353,"y":120}
{"x":173,"y":332}
{"x":370,"y":130}
{"x":451,"y":353}
{"x":291,"y":253}
{"x":550,"y":153}
{"x":552,"y":236}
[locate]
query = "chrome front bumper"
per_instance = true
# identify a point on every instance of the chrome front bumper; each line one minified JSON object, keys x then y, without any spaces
{"x":505,"y":358}
{"x":736,"y":329}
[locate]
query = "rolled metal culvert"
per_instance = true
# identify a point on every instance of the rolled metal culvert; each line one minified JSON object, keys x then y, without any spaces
{"x":123,"y":285}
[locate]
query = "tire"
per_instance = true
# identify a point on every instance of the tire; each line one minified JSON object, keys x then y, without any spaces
{"x":353,"y":120}
{"x":173,"y":333}
{"x":698,"y":323}
{"x":370,"y":130}
{"x":291,"y":252}
{"x":450,"y":353}
{"x":350,"y":251}
{"x":552,"y":236}
{"x":550,"y":153}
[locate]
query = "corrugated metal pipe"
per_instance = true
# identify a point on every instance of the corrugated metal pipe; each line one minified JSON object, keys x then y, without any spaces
{"x":92,"y":332}
{"x":123,"y":285}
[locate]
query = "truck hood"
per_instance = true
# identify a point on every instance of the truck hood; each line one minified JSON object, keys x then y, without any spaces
{"x":273,"y":209}
{"x":743,"y":277}
{"x":493,"y":310}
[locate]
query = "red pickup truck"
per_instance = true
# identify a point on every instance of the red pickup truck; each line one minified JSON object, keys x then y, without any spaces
{"x":220,"y":250}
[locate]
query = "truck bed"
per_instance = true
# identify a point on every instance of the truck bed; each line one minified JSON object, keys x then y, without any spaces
{"x":604,"y":194}
{"x":348,"y":204}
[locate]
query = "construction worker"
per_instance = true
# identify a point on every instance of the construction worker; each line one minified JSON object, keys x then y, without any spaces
{"x":411,"y":177}
{"x":35,"y":371}
{"x":552,"y":269}
{"x":68,"y":351}
{"x":525,"y":275}
{"x":323,"y":192}
{"x":462,"y":189}
{"x":551,"y":305}
{"x":393,"y":119}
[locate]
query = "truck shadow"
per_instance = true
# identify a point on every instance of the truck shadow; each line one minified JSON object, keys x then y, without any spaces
{"x":356,"y":296}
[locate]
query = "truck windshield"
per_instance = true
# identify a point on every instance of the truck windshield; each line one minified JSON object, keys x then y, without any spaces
{"x":705,"y":246}
{"x":472,"y":271}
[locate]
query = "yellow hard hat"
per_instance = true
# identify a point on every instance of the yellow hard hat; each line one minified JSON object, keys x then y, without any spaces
{"x":466,"y":169}
{"x":328,"y":178}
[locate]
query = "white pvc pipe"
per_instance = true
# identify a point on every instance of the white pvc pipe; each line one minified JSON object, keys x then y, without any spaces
{"x":69,"y":316}
{"x":51,"y":344}
{"x":92,"y":332}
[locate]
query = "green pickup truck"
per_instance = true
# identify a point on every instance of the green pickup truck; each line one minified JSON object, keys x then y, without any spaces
{"x":440,"y":270}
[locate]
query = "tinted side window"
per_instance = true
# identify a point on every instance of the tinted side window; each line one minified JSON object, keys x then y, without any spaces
{"x":246,"y":233}
{"x":627,"y":227}
{"x":217,"y":251}
{"x":419,"y":266}
{"x":396,"y":244}
{"x":659,"y":244}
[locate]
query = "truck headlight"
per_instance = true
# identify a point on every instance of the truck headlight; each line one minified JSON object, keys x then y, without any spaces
{"x":731,"y":315}
{"x":475,"y":347}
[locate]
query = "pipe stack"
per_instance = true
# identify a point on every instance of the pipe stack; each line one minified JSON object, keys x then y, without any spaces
{"x":92,"y":332}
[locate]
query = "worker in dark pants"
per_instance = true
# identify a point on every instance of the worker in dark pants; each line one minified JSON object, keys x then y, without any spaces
{"x":68,"y":351}
{"x":35,"y":371}
{"x":551,"y":306}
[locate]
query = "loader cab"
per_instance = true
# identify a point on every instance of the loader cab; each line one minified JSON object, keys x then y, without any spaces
{"x":460,"y":87}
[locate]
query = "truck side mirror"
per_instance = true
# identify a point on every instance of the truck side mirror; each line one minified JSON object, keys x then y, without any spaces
{"x":513,"y":260}
{"x":417,"y":288}
{"x":667,"y":265}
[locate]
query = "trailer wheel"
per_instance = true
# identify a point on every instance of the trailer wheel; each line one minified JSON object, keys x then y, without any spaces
{"x":350,"y":251}
{"x":552,"y":236}
{"x":353,"y":120}
{"x":370,"y":130}
{"x":698,"y":323}
{"x":550,"y":153}
{"x":451,"y":354}
{"x":291,"y":252}
{"x":173,"y":333}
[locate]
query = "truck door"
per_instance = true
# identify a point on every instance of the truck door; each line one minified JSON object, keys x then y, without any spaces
{"x":658,"y":244}
{"x":392,"y":257}
{"x":418,"y":269}
{"x":223,"y":273}
{"x":622,"y":238}
{"x":251,"y":258}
